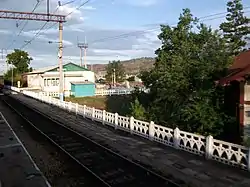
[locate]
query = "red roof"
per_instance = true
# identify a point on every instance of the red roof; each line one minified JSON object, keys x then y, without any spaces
{"x":239,"y":69}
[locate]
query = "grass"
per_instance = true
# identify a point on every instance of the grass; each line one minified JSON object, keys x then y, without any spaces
{"x":119,"y":104}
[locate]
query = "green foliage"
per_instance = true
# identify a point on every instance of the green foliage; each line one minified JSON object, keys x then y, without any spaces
{"x":182,"y":83}
{"x":246,"y":141}
{"x":137,"y":110}
{"x":119,"y":71}
{"x":20,"y":61}
{"x":236,"y":27}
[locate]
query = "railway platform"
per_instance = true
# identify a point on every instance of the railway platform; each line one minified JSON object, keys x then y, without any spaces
{"x":16,"y":165}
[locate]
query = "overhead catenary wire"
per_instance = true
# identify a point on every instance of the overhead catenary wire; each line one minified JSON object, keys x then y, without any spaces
{"x":38,"y":3}
{"x":134,"y":33}
{"x":155,"y":28}
{"x":40,"y":31}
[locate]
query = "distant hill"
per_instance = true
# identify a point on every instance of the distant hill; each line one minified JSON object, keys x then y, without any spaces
{"x":133,"y":66}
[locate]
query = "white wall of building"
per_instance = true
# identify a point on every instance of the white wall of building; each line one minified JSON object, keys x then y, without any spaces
{"x":35,"y":81}
{"x":50,"y":81}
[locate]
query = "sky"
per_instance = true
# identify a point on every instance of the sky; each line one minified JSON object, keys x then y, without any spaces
{"x":114,"y":29}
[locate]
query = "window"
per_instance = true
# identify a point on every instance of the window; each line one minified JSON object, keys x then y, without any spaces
{"x":247,"y":113}
{"x":51,"y":82}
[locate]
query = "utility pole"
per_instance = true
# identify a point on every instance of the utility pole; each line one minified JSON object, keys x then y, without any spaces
{"x":12,"y":75}
{"x":85,"y":47}
{"x":61,"y":89}
{"x":48,"y":9}
{"x":114,"y":77}
{"x":6,"y":14}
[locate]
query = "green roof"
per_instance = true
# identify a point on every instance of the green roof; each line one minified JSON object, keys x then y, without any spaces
{"x":70,"y":67}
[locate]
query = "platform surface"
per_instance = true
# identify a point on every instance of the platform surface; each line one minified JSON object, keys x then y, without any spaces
{"x":17,"y":169}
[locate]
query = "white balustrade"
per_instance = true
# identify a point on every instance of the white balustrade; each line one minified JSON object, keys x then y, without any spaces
{"x":192,"y":143}
{"x":164,"y":135}
{"x":141,"y":128}
{"x":123,"y":123}
{"x":228,"y":153}
{"x":88,"y":112}
{"x":98,"y":115}
{"x":224,"y":152}
{"x":103,"y":92}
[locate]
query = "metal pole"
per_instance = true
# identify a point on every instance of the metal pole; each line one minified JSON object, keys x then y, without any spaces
{"x":81,"y":56}
{"x":61,"y":92}
{"x":12,"y":75}
{"x":114,"y":77}
{"x":85,"y":54}
{"x":48,"y":9}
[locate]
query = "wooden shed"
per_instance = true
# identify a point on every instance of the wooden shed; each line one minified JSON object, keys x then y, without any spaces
{"x":82,"y":89}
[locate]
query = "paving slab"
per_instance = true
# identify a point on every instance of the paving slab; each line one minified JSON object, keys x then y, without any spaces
{"x":177,"y":165}
{"x":16,"y":166}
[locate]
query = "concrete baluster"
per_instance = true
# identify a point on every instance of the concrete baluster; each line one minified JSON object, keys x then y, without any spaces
{"x":77,"y":108}
{"x":176,"y":138}
{"x":93,"y":113}
{"x":209,"y":147}
{"x":103,"y":117}
{"x":131,"y":124}
{"x":151,"y":130}
{"x":84,"y":110}
{"x":69,"y":106}
{"x":116,"y":120}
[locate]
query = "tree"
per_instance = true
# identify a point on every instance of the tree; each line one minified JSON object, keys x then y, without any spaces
{"x":116,"y":68}
{"x":137,"y":110}
{"x":20,"y":61}
{"x":182,"y":83}
{"x":236,"y":27}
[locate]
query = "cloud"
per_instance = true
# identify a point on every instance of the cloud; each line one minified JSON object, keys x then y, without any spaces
{"x":45,"y":54}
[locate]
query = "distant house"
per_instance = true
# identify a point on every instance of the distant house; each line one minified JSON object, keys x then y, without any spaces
{"x":47,"y":79}
{"x":237,"y":97}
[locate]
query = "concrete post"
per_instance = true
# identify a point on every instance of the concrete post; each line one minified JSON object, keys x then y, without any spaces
{"x":84,"y":111}
{"x":77,"y":108}
{"x":209,"y":147}
{"x":93,"y":113}
{"x":131,"y":124}
{"x":116,"y":120}
{"x":103,"y":117}
{"x":176,"y":138}
{"x":151,"y":130}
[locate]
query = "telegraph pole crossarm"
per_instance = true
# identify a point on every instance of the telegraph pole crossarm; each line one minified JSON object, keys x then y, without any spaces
{"x":6,"y":14}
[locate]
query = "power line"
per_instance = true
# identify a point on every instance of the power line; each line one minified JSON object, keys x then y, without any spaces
{"x":136,"y":33}
{"x":155,"y":28}
{"x":26,"y":22}
{"x":39,"y":32}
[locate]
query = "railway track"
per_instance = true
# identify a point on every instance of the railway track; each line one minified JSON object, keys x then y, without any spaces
{"x":104,"y":165}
